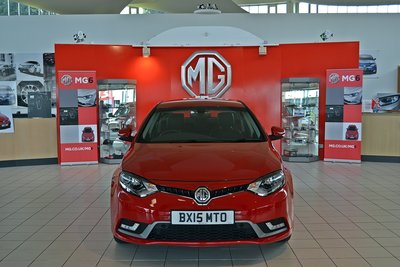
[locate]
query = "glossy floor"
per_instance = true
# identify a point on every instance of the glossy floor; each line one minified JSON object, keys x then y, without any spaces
{"x":346,"y":215}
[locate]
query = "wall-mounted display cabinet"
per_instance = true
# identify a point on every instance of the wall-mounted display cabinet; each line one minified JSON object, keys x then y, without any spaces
{"x":300,"y":98}
{"x":117,"y":109}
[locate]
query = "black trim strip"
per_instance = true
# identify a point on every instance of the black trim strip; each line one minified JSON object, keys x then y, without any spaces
{"x":390,"y":159}
{"x":28,"y":162}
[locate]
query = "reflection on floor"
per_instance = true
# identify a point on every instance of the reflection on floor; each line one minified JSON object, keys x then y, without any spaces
{"x":346,"y":215}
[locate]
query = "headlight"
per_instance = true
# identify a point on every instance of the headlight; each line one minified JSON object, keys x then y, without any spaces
{"x":136,"y":185}
{"x":268,"y":184}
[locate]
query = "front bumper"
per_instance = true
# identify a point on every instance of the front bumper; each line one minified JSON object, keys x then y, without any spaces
{"x":152,"y":213}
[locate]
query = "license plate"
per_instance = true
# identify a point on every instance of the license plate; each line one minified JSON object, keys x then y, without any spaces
{"x":203,"y":217}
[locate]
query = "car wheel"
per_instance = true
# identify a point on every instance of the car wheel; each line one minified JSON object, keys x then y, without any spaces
{"x":24,"y":87}
{"x":119,"y":241}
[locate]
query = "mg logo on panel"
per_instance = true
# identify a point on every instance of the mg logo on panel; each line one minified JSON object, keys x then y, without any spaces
{"x":66,"y":79}
{"x":84,"y":80}
{"x":206,"y":73}
{"x":334,"y":78}
{"x":350,"y":78}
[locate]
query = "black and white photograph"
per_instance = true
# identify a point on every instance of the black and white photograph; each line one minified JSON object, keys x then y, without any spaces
{"x":25,"y":87}
{"x":334,"y":113}
{"x":87,"y":97}
{"x":352,"y":95}
{"x":68,"y":116}
{"x":6,"y":120}
{"x":49,"y":71}
{"x":29,"y":67}
{"x":8,"y":95}
{"x":50,"y":86}
{"x":39,"y":105}
{"x":368,"y":62}
{"x":7,"y":67}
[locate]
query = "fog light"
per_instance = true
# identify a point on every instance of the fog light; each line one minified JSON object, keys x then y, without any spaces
{"x":274,"y":227}
{"x":132,"y":228}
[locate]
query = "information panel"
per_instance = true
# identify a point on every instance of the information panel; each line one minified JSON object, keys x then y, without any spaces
{"x":77,"y":103}
{"x":343,"y":131}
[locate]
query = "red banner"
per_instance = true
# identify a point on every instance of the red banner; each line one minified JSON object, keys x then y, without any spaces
{"x":78,"y":117}
{"x":343,"y":129}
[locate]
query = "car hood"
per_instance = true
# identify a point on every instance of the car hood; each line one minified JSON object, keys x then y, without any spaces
{"x":201,"y":162}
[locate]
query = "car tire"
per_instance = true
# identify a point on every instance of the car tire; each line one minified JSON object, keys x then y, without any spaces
{"x":119,"y":241}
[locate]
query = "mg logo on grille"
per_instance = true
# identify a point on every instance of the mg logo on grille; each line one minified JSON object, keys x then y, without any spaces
{"x":206,"y":73}
{"x":202,"y":195}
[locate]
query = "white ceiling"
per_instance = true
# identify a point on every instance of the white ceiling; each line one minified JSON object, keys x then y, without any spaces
{"x":169,"y":6}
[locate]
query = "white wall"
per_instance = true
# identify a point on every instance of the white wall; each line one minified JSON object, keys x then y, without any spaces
{"x":374,"y":31}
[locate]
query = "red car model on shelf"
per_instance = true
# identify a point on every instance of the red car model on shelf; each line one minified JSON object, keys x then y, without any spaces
{"x":201,"y":172}
{"x":352,"y":132}
{"x":87,"y":134}
{"x":4,"y":121}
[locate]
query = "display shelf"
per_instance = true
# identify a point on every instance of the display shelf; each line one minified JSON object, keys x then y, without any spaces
{"x":117,"y":109}
{"x":300,"y":119}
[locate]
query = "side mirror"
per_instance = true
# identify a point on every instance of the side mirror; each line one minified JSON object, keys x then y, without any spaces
{"x":125,"y":134}
{"x":277,"y":133}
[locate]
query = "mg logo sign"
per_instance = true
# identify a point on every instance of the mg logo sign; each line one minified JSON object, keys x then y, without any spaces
{"x":206,"y":73}
{"x":66,"y":79}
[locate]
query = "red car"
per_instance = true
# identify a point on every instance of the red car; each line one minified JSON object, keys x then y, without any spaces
{"x":352,"y":132}
{"x":4,"y":121}
{"x":87,"y":134}
{"x":201,"y":172}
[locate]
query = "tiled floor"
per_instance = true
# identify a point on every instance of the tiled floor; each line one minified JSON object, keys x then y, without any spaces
{"x":346,"y":215}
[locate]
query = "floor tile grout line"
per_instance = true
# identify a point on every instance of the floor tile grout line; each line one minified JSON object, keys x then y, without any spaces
{"x":61,"y":232}
{"x":42,"y":226}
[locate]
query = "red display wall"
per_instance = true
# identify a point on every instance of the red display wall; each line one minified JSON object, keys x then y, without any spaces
{"x":255,"y":79}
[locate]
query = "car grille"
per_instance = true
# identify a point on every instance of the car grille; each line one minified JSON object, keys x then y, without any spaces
{"x":214,"y":193}
{"x":169,"y":232}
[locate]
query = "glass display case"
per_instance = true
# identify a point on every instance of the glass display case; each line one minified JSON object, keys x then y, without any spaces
{"x":117,"y":109}
{"x":300,"y":119}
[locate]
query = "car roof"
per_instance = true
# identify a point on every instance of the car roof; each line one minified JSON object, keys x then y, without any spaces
{"x":201,"y":102}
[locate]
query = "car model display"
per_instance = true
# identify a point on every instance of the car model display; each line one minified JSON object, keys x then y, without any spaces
{"x":87,"y":98}
{"x":201,"y":172}
{"x":352,"y":95}
{"x":7,"y":95}
{"x":6,"y":69}
{"x":368,"y":64}
{"x":387,"y":102}
{"x":30,"y":67}
{"x":4,"y":121}
{"x":352,"y":132}
{"x":87,"y":134}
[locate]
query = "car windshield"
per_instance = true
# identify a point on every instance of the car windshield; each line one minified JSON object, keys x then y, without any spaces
{"x":201,"y":125}
{"x":87,"y":130}
{"x":352,"y":128}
